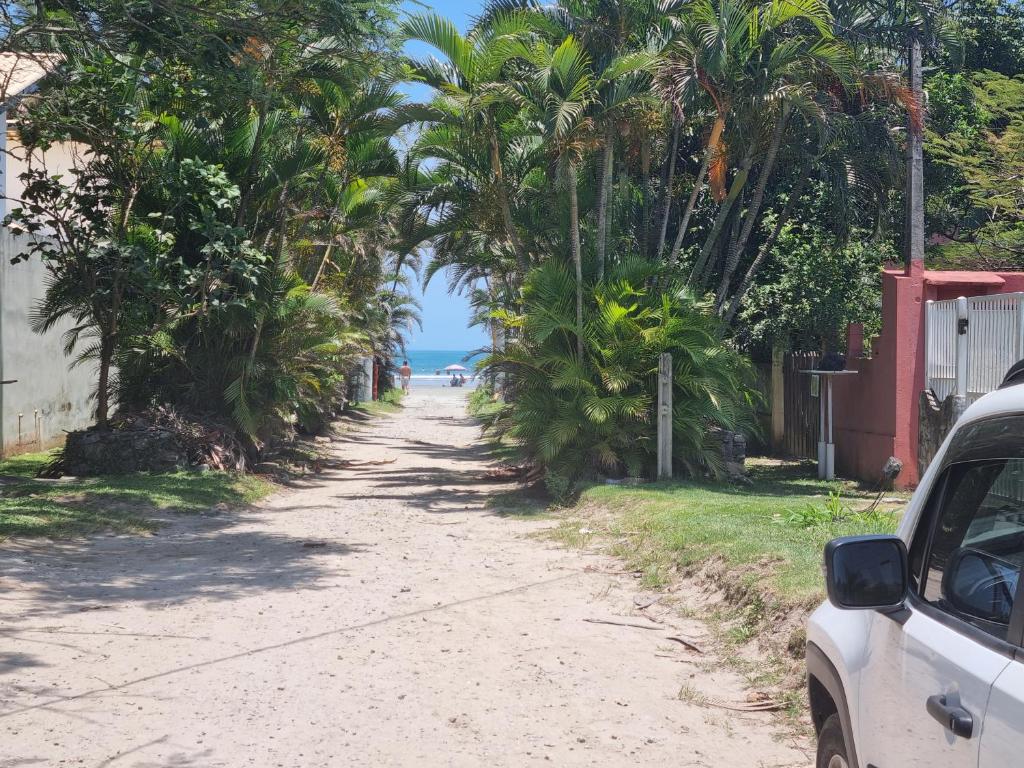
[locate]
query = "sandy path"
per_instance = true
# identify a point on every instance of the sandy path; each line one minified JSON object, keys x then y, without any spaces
{"x":426,"y":631}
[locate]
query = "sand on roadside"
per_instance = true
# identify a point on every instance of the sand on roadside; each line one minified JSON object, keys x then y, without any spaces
{"x":379,"y":614}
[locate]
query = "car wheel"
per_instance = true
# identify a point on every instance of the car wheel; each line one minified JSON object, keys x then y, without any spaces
{"x":832,"y":746}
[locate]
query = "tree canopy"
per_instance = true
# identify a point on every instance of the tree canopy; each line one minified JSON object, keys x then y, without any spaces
{"x":256,"y":194}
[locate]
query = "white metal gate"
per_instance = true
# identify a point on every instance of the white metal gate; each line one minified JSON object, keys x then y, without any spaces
{"x":970,"y":343}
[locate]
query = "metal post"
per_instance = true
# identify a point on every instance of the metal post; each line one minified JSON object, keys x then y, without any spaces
{"x":665,"y":416}
{"x":929,"y":352}
{"x":962,"y":356}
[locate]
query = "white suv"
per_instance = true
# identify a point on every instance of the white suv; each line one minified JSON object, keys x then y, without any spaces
{"x":917,"y":658}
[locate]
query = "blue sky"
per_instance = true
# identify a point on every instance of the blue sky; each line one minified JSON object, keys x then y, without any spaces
{"x":444,"y":316}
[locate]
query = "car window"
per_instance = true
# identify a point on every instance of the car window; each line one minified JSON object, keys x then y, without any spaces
{"x":976,"y":555}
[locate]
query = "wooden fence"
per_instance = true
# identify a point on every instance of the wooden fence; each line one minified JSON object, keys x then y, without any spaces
{"x":800,"y":439}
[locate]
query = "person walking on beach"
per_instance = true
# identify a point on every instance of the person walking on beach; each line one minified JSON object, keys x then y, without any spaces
{"x":405,"y":374}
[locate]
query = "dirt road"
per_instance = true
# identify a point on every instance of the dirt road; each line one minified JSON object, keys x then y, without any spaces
{"x":378,"y":615}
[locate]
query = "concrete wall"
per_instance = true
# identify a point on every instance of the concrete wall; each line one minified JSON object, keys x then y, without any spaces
{"x":59,"y":159}
{"x":49,"y":396}
{"x":877,"y":412}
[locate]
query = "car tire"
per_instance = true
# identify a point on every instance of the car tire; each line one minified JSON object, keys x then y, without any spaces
{"x":832,"y":751}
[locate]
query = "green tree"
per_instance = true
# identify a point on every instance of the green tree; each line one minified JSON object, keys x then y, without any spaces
{"x":812,"y":290}
{"x":992,"y":36}
{"x":84,"y":224}
{"x":472,"y":91}
{"x":575,"y":418}
{"x":976,"y":146}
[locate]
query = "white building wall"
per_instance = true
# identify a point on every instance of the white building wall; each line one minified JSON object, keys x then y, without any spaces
{"x":48,"y":396}
{"x":59,"y":159}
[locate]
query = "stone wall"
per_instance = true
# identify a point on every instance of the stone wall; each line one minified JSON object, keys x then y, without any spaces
{"x":734,"y":452}
{"x":936,"y":419}
{"x":157,"y":440}
{"x":115,"y":452}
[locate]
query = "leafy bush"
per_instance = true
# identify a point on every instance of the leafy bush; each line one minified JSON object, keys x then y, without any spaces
{"x":836,"y":510}
{"x":810,"y":515}
{"x":267,"y":363}
{"x":814,"y":289}
{"x":578,"y":418}
{"x":483,"y":404}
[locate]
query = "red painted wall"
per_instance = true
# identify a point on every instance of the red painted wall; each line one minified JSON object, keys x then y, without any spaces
{"x":876,"y":412}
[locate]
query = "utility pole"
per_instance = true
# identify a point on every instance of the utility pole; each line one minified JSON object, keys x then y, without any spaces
{"x":914,"y":229}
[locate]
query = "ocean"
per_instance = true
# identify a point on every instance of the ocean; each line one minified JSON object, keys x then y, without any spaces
{"x":428,"y":366}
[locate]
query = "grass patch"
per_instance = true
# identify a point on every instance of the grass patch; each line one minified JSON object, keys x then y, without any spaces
{"x":526,"y":502}
{"x":759,"y":545}
{"x":125,"y":503}
{"x":390,"y":402}
{"x":763,"y":529}
{"x":482,"y":405}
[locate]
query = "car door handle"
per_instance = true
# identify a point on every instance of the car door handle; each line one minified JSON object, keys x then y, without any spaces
{"x":955,"y":718}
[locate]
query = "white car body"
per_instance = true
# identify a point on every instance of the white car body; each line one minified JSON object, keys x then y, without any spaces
{"x":876,"y":670}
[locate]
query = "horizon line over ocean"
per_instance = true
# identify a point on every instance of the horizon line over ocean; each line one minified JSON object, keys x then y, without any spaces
{"x":428,"y":362}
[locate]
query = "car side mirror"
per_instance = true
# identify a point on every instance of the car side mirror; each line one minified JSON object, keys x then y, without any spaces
{"x":866,"y":572}
{"x":980,"y":585}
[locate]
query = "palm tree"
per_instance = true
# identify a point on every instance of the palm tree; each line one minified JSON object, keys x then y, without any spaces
{"x":893,"y":31}
{"x":472,"y":91}
{"x":561,"y":91}
{"x":855,"y":169}
{"x":622,"y":86}
{"x":623,"y":41}
{"x":577,"y":419}
{"x":755,"y":65}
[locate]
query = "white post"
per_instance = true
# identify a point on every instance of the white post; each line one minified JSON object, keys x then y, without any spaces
{"x":365,"y":389}
{"x":5,"y":188}
{"x":1020,"y":326}
{"x":830,"y":447}
{"x":822,"y":443}
{"x":962,"y":356}
{"x":665,"y":416}
{"x":929,"y":353}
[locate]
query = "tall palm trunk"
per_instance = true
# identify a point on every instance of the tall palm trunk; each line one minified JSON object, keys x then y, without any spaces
{"x":577,"y":256}
{"x":721,"y":249}
{"x":698,"y":185}
{"x":738,"y":182}
{"x":766,"y":247}
{"x":497,"y":336}
{"x":666,"y":192}
{"x":106,"y":353}
{"x":645,"y":169}
{"x":323,"y":265}
{"x":753,"y":210}
{"x":604,"y":197}
{"x":503,"y":202}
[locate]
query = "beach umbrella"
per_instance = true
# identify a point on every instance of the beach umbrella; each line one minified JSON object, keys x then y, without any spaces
{"x":452,"y":368}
